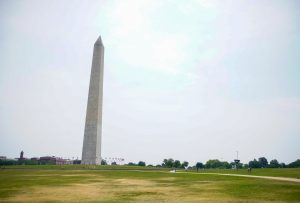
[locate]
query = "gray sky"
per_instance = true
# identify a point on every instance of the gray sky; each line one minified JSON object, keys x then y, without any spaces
{"x":192,"y":80}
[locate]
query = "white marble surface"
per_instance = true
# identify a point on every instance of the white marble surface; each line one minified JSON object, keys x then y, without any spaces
{"x":91,"y":150}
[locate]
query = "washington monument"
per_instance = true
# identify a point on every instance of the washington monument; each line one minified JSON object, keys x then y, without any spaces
{"x":91,"y":150}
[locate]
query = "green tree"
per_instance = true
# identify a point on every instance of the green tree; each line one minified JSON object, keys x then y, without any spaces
{"x":103,"y":162}
{"x":141,"y":163}
{"x":213,"y":163}
{"x":176,"y":164}
{"x":8,"y":162}
{"x":225,"y":164}
{"x":184,"y":164}
{"x":282,"y":165}
{"x":274,"y":164}
{"x":263,"y":162}
{"x":168,"y":163}
{"x":295,"y":164}
{"x":254,"y":164}
{"x":199,"y":165}
{"x":164,"y":163}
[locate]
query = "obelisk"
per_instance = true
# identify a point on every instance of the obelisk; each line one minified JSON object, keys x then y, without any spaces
{"x":91,"y":150}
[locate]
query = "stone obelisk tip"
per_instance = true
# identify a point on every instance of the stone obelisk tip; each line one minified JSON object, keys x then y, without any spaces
{"x":99,"y":41}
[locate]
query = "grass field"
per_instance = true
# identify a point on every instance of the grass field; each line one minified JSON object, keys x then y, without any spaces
{"x":73,"y":167}
{"x":142,"y":186}
{"x":276,"y":172}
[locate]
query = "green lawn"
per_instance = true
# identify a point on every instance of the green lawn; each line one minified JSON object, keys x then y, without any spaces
{"x":139,"y":186}
{"x":277,"y":172}
{"x":73,"y":167}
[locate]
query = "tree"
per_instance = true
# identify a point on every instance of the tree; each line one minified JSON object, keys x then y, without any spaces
{"x":274,"y":164}
{"x":131,"y":164}
{"x":8,"y":162}
{"x":225,"y":164}
{"x":164,"y":163}
{"x":295,"y":164}
{"x":199,"y":165}
{"x":27,"y":162}
{"x":113,"y":163}
{"x":103,"y":162}
{"x":184,"y":164}
{"x":176,"y":164}
{"x":168,"y":163}
{"x":245,"y":166}
{"x":141,"y":163}
{"x":282,"y":165}
{"x":213,"y":163}
{"x":263,"y":162}
{"x":254,"y":164}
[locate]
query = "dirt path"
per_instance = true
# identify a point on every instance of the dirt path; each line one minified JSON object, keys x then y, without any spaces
{"x":238,"y":175}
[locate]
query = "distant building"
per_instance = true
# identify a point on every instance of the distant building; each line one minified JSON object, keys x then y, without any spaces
{"x":3,"y":157}
{"x":35,"y":160}
{"x":22,"y":155}
{"x":48,"y":160}
{"x":54,"y":160}
{"x":68,"y":161}
{"x":21,"y":158}
{"x":60,"y":161}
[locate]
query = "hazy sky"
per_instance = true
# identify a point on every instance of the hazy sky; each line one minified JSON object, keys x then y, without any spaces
{"x":192,"y":80}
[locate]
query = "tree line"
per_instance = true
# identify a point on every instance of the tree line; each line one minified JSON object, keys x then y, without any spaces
{"x":261,"y":162}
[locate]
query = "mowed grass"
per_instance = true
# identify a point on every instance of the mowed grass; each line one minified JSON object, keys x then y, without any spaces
{"x":276,"y":172}
{"x":76,"y":166}
{"x":139,"y":186}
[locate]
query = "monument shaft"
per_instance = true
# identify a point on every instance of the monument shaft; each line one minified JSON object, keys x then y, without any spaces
{"x":91,"y":150}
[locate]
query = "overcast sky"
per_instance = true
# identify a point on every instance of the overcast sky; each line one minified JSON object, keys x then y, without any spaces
{"x":192,"y":80}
